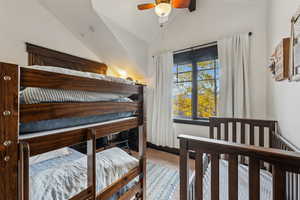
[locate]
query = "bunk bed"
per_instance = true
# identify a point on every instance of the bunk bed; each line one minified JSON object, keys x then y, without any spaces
{"x":54,"y":104}
{"x":241,"y":159}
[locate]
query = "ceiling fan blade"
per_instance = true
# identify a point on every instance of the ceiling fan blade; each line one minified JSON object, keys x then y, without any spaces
{"x":181,"y":3}
{"x":146,"y":6}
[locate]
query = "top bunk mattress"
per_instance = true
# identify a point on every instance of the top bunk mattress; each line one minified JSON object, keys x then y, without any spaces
{"x":61,"y":70}
{"x":32,"y":95}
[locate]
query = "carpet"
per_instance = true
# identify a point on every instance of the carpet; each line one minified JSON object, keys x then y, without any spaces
{"x":161,"y":182}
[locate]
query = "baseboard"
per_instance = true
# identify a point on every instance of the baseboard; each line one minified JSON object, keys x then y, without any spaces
{"x":170,"y":150}
{"x":162,"y":148}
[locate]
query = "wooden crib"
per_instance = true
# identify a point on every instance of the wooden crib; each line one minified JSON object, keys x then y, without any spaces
{"x":241,"y":142}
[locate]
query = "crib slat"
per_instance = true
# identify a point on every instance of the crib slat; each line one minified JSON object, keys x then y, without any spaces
{"x":251,"y":134}
{"x":234,"y":131}
{"x":215,"y":177}
{"x":254,"y":179}
{"x":233,"y":177}
{"x":219,"y":132}
{"x":287,"y":187}
{"x":243,"y":133}
{"x":261,"y":141}
{"x":226,"y":136}
{"x":261,"y":136}
{"x":243,"y":140}
{"x":296,"y":187}
{"x":226,"y":131}
{"x":199,"y":175}
{"x":278,"y":183}
{"x":211,"y":132}
{"x":270,"y":136}
{"x":293,"y":184}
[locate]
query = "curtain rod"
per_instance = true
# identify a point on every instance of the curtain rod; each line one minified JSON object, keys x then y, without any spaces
{"x":194,"y":47}
{"x":202,"y":45}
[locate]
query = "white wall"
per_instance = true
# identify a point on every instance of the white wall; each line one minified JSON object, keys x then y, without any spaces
{"x":283,"y":97}
{"x":27,"y":21}
{"x":213,"y":20}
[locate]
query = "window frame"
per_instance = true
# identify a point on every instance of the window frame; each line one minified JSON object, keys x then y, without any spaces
{"x":193,"y":61}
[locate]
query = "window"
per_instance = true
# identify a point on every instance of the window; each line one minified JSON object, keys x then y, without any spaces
{"x":196,"y":79}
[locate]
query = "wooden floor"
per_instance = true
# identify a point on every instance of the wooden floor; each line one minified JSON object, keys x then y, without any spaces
{"x":167,"y":159}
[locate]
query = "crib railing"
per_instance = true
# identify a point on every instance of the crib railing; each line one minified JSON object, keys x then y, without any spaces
{"x":292,"y":182}
{"x":243,"y":131}
{"x":241,"y":141}
{"x":281,"y":161}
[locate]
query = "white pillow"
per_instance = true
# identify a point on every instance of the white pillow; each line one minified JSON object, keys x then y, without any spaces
{"x":49,"y":155}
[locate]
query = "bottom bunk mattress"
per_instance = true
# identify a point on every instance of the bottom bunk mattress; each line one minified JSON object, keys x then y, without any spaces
{"x":47,"y":125}
{"x":62,"y":174}
{"x":243,"y":183}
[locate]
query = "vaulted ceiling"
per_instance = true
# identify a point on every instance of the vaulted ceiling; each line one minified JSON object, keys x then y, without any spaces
{"x":118,"y":33}
{"x":102,"y":32}
{"x":143,"y":24}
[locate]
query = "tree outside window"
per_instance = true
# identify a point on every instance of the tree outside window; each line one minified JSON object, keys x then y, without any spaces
{"x":196,"y":84}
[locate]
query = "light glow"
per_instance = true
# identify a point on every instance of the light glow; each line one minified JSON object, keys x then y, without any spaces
{"x":163,"y":9}
{"x":122,"y":73}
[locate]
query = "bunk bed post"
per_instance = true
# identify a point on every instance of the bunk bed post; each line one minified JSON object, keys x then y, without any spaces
{"x":142,"y":140}
{"x":24,"y":155}
{"x":21,"y":187}
{"x":9,"y":123}
{"x":91,"y":152}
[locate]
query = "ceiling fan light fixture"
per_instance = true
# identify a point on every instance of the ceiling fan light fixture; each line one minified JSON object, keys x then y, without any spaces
{"x":163,"y":9}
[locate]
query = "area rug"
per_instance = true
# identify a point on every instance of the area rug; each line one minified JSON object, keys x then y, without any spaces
{"x":161,"y":182}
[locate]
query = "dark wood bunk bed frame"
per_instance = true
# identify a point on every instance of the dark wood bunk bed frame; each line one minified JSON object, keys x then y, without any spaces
{"x":255,"y":143}
{"x":15,"y":152}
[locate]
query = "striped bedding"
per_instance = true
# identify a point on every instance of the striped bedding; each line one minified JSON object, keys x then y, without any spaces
{"x":33,"y":95}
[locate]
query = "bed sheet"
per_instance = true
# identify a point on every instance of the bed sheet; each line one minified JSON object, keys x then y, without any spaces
{"x":46,"y":125}
{"x":243,"y":184}
{"x":63,"y":177}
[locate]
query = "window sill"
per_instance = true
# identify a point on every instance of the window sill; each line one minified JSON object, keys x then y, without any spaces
{"x":200,"y":122}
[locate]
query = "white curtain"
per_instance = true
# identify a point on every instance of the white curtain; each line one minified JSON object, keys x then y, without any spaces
{"x":234,"y":56}
{"x":160,"y":120}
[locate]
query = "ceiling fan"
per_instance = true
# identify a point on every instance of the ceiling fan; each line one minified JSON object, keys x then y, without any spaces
{"x":164,"y":7}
